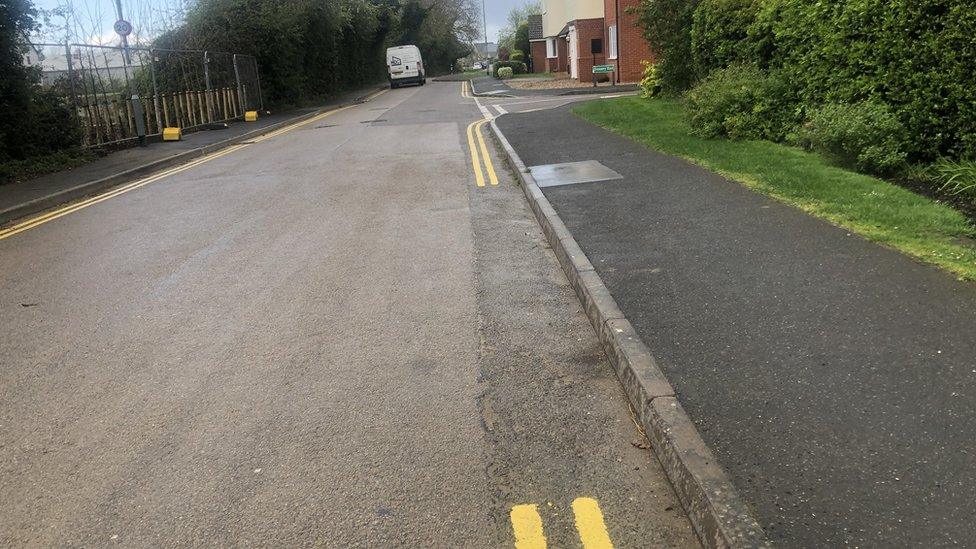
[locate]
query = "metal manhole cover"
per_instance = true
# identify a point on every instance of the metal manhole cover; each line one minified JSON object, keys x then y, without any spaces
{"x":571,"y":173}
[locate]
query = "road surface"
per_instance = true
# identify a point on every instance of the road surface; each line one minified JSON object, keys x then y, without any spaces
{"x":339,"y":334}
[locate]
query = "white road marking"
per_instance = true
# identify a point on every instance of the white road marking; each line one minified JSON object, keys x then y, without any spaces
{"x":501,"y":110}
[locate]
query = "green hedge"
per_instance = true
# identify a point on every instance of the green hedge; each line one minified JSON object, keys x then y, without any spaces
{"x":918,"y":57}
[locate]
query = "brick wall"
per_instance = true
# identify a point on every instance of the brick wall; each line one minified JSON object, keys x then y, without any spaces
{"x":588,"y":30}
{"x":538,"y":56}
{"x":631,"y":48}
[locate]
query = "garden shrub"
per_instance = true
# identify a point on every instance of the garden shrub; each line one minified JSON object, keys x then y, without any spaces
{"x":505,"y":72}
{"x":517,"y":67}
{"x":650,"y":82}
{"x":742,"y":102}
{"x":517,"y":55}
{"x":866,"y":136}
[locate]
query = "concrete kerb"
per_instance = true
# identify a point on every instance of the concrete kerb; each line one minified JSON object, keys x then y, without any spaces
{"x":94,"y":187}
{"x":476,"y":93}
{"x":717,"y":513}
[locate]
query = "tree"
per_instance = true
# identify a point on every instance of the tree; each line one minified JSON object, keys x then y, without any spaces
{"x":515,"y":34}
{"x":17,"y":20}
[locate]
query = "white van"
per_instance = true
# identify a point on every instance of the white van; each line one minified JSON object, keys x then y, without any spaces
{"x":406,"y":66}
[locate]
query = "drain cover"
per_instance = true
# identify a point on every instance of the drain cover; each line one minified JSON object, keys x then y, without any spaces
{"x":571,"y":173}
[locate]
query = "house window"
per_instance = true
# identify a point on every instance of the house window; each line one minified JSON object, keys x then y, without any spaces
{"x":550,"y":48}
{"x":612,"y":32}
{"x":596,"y":46}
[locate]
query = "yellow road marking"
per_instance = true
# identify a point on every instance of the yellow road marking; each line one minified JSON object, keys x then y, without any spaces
{"x":478,"y":177}
{"x":527,"y":525}
{"x":74,"y":207}
{"x":589,"y":524}
{"x":489,"y":167}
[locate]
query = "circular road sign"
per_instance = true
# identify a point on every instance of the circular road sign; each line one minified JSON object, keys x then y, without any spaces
{"x":123,"y":27}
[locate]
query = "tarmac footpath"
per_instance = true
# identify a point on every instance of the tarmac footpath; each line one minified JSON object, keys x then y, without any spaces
{"x":833,"y":379}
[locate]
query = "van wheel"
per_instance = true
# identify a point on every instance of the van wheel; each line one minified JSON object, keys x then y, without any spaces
{"x":393,"y":86}
{"x":424,"y":81}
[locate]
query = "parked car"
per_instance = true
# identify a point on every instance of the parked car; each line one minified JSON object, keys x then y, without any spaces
{"x":478,"y":66}
{"x":406,"y":66}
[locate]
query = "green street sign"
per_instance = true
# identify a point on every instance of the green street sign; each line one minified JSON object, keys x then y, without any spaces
{"x":601,"y":69}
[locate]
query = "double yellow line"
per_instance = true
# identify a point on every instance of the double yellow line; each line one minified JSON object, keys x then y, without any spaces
{"x":527,"y":526}
{"x":475,"y":129}
{"x":466,"y":90}
{"x":74,"y":207}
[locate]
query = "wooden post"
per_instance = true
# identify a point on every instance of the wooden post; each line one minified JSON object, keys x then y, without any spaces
{"x":165,"y":110}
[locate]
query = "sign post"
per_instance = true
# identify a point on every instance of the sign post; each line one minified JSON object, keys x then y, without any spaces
{"x":601,"y":69}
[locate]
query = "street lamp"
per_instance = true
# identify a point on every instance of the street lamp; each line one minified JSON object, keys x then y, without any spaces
{"x":484,"y":19}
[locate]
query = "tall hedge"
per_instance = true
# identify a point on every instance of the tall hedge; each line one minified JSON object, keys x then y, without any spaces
{"x":308,"y":49}
{"x":35,"y":122}
{"x":918,"y":57}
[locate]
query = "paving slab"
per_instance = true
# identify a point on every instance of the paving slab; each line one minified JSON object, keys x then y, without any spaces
{"x":833,"y":378}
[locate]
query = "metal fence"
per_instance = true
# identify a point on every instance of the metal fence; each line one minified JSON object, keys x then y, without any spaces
{"x":122,"y":95}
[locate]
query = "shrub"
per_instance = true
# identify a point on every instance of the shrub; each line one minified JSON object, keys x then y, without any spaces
{"x":742,"y":102}
{"x":866,"y":136}
{"x":517,"y":55}
{"x":667,"y":28}
{"x":505,"y":72}
{"x":650,"y":82}
{"x":517,"y":67}
{"x":722,"y":34}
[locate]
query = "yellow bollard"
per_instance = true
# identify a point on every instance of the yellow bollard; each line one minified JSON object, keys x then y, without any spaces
{"x":172,"y":134}
{"x":251,"y":116}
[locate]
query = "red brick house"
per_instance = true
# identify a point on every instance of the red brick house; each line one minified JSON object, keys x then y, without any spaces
{"x":626,"y":46}
{"x":571,"y":36}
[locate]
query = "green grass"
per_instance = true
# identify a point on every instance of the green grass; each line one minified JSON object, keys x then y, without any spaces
{"x":878,"y":210}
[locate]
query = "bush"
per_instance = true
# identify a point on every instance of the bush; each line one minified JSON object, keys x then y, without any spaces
{"x":866,"y":136}
{"x":721,"y":34}
{"x":517,"y":67}
{"x":517,"y":55}
{"x":742,"y":102}
{"x":504,"y":72}
{"x":650,"y":82}
{"x":667,"y":28}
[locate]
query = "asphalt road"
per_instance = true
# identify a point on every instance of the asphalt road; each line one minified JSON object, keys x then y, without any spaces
{"x":330,"y":336}
{"x":835,"y":379}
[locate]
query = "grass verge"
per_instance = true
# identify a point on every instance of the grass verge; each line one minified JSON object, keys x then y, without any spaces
{"x":878,"y":210}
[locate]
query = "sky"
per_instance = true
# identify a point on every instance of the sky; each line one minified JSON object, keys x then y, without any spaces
{"x":496,"y":11}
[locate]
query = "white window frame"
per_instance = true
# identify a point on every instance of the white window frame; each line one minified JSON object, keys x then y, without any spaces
{"x":612,"y":39}
{"x":552,"y":51}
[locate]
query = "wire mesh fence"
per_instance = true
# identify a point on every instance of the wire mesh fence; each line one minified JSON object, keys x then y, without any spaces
{"x":121,"y":95}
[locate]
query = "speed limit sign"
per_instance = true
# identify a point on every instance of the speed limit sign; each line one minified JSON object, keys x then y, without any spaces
{"x":123,"y":27}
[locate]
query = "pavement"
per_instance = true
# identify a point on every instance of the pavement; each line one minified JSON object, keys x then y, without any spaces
{"x":330,"y":335}
{"x":489,"y":86}
{"x":833,"y":378}
{"x":37,"y":189}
